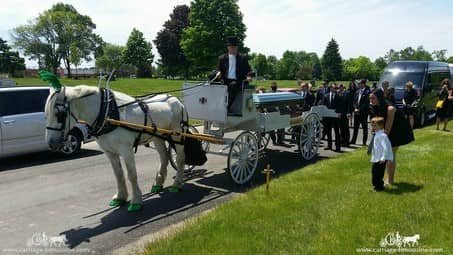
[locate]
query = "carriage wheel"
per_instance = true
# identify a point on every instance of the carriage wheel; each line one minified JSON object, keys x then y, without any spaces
{"x":310,"y":136}
{"x":243,"y":158}
{"x":263,"y":140}
{"x":172,"y":153}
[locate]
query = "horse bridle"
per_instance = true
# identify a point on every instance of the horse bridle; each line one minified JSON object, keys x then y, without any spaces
{"x":62,"y":111}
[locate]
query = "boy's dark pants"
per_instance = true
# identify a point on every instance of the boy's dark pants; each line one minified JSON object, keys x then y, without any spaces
{"x":377,"y":175}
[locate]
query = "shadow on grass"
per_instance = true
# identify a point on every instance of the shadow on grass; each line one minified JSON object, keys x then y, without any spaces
{"x":404,"y":187}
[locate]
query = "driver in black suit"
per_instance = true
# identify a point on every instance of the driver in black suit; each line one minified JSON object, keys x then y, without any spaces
{"x":233,"y":69}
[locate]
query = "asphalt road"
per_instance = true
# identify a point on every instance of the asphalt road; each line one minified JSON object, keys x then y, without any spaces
{"x":45,"y":196}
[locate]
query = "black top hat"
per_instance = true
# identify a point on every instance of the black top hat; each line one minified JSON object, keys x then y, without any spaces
{"x":232,"y":41}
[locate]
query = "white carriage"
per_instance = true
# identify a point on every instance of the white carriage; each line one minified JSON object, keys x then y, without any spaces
{"x":256,"y":115}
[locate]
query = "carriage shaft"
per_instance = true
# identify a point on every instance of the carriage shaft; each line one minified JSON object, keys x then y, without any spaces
{"x":150,"y":130}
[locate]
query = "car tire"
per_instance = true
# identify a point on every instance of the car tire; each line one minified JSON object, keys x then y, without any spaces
{"x":72,"y":144}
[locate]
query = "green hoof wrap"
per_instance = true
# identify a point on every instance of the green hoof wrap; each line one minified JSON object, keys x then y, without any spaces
{"x":134,"y":207}
{"x":174,"y":189}
{"x":117,"y":202}
{"x":156,"y":189}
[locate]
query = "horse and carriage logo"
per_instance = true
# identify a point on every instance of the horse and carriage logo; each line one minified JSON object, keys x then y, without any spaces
{"x":395,"y":239}
{"x":41,"y":239}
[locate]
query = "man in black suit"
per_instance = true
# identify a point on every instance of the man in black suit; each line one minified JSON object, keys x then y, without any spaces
{"x":360,"y":110}
{"x":332,"y":101}
{"x":309,"y":98}
{"x":233,"y":69}
{"x":324,"y":89}
{"x":344,"y":109}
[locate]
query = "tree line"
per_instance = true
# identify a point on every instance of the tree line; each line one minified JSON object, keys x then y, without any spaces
{"x":188,"y":43}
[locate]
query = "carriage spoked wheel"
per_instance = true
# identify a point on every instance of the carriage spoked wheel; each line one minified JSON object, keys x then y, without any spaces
{"x":310,"y":136}
{"x":172,"y":153}
{"x":243,"y":157}
{"x":263,"y":140}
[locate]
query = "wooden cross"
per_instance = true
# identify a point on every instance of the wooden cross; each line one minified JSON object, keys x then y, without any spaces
{"x":268,"y":171}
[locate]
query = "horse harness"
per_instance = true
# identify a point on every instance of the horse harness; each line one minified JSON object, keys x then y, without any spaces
{"x":144,"y":107}
{"x":108,"y":109}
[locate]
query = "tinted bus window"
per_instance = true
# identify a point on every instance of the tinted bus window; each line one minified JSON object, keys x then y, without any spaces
{"x":399,"y":80}
{"x":436,"y":78}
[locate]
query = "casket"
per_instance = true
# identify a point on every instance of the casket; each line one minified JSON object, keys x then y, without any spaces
{"x":277,"y":100}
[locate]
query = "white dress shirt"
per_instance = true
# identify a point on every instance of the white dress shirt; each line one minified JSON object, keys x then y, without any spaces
{"x":382,"y":149}
{"x":360,"y":95}
{"x":231,"y":67}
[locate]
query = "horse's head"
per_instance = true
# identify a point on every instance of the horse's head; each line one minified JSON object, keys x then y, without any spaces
{"x":58,"y":118}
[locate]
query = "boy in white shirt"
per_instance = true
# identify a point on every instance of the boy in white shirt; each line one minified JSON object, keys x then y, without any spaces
{"x":380,"y":149}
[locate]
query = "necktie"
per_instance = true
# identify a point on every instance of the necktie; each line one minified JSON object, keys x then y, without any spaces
{"x":370,"y":146}
{"x":330,"y":102}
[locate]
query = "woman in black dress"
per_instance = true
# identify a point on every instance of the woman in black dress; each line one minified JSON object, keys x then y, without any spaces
{"x":396,"y":126}
{"x":442,"y":108}
{"x":409,"y":101}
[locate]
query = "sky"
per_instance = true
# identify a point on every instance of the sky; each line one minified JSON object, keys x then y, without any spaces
{"x":360,"y":27}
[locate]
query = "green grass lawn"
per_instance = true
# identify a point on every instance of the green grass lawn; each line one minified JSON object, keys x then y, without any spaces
{"x":136,"y":87}
{"x":131,"y":87}
{"x":327,"y":208}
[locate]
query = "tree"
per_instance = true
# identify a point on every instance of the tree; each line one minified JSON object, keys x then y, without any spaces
{"x":173,"y":60}
{"x":138,"y":53}
{"x":440,"y":55}
{"x":316,"y":66}
{"x":305,"y":72}
{"x":360,"y":68}
{"x":450,"y":60}
{"x":111,"y":59}
{"x":259,"y":64}
{"x":295,"y":64}
{"x":391,"y":56}
{"x":287,"y":66}
{"x":211,"y":22}
{"x":272,"y":62}
{"x":332,"y":66}
{"x":10,"y":61}
{"x":76,"y":56}
{"x":380,"y":63}
{"x":422,"y":54}
{"x":55,"y":33}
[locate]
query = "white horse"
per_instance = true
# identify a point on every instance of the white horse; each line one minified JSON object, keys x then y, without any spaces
{"x":411,"y":240}
{"x":67,"y":105}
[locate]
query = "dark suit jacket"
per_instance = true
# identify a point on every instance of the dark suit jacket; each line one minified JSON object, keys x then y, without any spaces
{"x":343,"y":106}
{"x":335,"y":104}
{"x":364,"y":104}
{"x":320,"y":95}
{"x":242,"y":67}
{"x":309,"y":101}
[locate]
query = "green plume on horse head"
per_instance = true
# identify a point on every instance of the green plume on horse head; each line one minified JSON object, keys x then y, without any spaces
{"x":51,"y":78}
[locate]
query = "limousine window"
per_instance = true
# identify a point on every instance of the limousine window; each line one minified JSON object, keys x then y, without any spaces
{"x":22,"y":102}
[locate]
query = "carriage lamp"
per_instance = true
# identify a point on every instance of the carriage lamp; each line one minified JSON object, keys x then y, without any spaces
{"x":268,"y":171}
